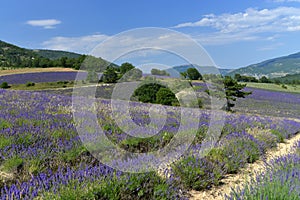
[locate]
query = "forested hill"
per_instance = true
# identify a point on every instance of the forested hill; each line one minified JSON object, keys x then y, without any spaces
{"x":12,"y":56}
{"x":272,"y":68}
{"x":54,"y":54}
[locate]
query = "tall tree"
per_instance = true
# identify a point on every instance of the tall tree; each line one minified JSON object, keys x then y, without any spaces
{"x":125,"y":67}
{"x":193,"y":74}
{"x":110,"y":75}
{"x":233,"y":90}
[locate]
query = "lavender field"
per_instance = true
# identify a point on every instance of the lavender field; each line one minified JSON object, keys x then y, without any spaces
{"x":41,"y":77}
{"x":265,"y":102}
{"x":42,"y":155}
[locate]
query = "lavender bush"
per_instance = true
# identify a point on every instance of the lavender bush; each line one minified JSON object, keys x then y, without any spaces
{"x":281,"y":180}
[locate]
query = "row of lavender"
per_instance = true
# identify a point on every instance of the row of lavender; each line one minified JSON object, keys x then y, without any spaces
{"x":263,"y":102}
{"x":280,"y":180}
{"x":42,"y":77}
{"x":42,"y":154}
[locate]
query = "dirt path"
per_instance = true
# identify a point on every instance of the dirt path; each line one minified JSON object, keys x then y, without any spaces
{"x":234,"y":180}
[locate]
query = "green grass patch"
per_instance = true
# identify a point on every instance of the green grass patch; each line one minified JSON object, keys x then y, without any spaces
{"x":72,"y":154}
{"x":275,"y":87}
{"x":4,"y":124}
{"x":5,"y":141}
{"x":12,"y":164}
{"x":43,"y":86}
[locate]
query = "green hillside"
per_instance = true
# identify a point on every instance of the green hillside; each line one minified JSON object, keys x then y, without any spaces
{"x":12,"y":56}
{"x":272,"y":68}
{"x":289,"y":79}
{"x":55,"y":54}
{"x":174,"y":71}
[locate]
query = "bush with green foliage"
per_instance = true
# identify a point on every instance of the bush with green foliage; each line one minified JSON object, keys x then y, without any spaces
{"x":264,"y":79}
{"x":193,"y":74}
{"x":242,"y":78}
{"x":159,"y":72}
{"x":155,"y":93}
{"x":165,"y":96}
{"x":125,"y":67}
{"x":110,"y":75}
{"x":30,"y":84}
{"x":141,"y":186}
{"x":198,"y":173}
{"x":4,"y":85}
{"x":147,"y":92}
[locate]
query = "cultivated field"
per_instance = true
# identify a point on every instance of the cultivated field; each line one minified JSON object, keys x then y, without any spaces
{"x":44,"y":156}
{"x":34,"y":70}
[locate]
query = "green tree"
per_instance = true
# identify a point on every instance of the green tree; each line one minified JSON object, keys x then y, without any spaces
{"x":238,"y":77}
{"x":166,"y":97}
{"x":110,"y":75}
{"x":264,"y":79}
{"x":193,"y":74}
{"x":147,"y":92}
{"x":183,"y":75}
{"x":125,"y":67}
{"x":233,"y":90}
{"x":159,"y":72}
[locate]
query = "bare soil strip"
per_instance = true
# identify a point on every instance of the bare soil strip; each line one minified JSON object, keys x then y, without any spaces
{"x":235,"y":180}
{"x":35,"y":70}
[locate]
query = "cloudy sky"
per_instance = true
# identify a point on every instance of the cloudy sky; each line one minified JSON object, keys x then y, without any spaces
{"x":234,"y":33}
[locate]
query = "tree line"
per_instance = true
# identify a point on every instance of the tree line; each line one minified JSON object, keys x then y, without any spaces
{"x":288,"y":79}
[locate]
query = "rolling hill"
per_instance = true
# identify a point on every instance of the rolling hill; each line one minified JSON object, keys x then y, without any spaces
{"x":276,"y":67}
{"x":175,"y":71}
{"x":55,"y":54}
{"x":12,"y":56}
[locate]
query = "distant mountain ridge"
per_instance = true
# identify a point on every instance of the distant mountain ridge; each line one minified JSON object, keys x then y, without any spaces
{"x":175,"y":71}
{"x":272,"y":68}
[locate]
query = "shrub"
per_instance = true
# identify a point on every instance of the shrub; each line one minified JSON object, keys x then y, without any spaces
{"x":279,"y":135}
{"x":284,"y":86}
{"x":110,"y":75}
{"x":4,"y":85}
{"x":29,"y":84}
{"x":193,"y":74}
{"x":12,"y":164}
{"x":267,"y":138}
{"x":280,"y":181}
{"x":198,"y":173}
{"x":147,"y":93}
{"x":165,"y":96}
{"x":128,"y":186}
{"x":235,"y":150}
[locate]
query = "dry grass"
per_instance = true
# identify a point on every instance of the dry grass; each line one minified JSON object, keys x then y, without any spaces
{"x":34,"y":70}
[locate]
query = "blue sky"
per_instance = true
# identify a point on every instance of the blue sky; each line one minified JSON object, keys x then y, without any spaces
{"x":235,"y":33}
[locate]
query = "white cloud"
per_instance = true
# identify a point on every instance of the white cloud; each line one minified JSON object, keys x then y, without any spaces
{"x":82,"y":44}
{"x":45,"y":23}
{"x":270,"y":47}
{"x":247,"y":25}
{"x":284,"y":1}
{"x":134,"y":44}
